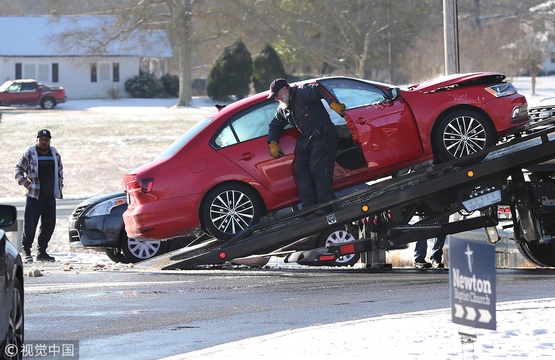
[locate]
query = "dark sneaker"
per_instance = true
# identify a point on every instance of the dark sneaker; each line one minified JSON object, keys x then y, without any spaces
{"x":26,"y":257}
{"x":422,"y":265}
{"x":44,"y":257}
{"x":437,"y":265}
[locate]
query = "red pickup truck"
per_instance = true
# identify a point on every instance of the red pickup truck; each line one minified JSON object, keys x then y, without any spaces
{"x":30,"y":92}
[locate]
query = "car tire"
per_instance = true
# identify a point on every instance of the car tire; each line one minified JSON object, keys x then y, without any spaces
{"x":48,"y":103}
{"x":229,"y":209}
{"x":15,"y":334}
{"x":135,"y":250}
{"x":337,"y":235}
{"x":461,"y":133}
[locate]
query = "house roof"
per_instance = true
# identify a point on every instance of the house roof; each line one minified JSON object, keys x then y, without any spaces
{"x":40,"y":36}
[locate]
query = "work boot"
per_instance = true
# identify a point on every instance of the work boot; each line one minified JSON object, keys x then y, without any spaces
{"x":422,"y":265}
{"x":437,"y":264}
{"x":26,"y":257}
{"x":44,"y":257}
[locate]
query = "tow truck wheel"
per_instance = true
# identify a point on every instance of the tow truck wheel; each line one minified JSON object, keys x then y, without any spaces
{"x":541,"y":253}
{"x":229,"y":209}
{"x":461,"y":133}
{"x":335,"y":236}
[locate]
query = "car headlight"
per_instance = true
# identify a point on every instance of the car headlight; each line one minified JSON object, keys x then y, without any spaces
{"x":105,"y":207}
{"x":500,"y":90}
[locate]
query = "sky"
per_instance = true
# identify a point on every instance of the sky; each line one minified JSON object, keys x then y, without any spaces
{"x":524,"y":329}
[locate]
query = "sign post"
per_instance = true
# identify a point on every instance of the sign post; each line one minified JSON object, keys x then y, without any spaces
{"x":472,"y":283}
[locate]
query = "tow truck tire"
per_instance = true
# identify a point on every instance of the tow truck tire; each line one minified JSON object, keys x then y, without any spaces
{"x":338,"y":235}
{"x":461,"y":133}
{"x":540,"y":253}
{"x":229,"y":209}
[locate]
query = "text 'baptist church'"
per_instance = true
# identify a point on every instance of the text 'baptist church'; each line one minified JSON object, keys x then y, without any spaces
{"x":471,"y":289}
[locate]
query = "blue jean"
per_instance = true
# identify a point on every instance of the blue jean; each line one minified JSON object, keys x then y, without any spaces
{"x":421,"y":248}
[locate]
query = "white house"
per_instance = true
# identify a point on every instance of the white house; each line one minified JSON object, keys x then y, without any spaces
{"x":31,"y":48}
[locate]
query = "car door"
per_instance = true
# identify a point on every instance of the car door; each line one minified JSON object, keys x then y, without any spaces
{"x":244,"y":140}
{"x":384,"y":129}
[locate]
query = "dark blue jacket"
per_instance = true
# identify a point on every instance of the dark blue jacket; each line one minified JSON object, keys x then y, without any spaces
{"x":305,"y":111}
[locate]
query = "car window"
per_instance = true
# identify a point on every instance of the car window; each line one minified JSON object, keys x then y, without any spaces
{"x":184,"y":139}
{"x":354,"y":93}
{"x":248,"y":125}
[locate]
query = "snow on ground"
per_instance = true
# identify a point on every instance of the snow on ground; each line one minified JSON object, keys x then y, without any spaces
{"x":100,"y":140}
{"x":524,"y":330}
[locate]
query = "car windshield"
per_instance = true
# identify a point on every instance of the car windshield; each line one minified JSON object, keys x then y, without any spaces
{"x":184,"y":139}
{"x":5,"y":85}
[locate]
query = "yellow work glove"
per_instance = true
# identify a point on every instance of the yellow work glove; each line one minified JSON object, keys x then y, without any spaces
{"x":338,"y":108}
{"x":275,"y":150}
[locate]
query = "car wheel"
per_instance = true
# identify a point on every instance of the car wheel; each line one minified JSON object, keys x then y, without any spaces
{"x":135,"y":250}
{"x":15,"y":334}
{"x":336,"y":236}
{"x":48,"y":103}
{"x":116,"y":256}
{"x":462,"y":133}
{"x":229,"y":209}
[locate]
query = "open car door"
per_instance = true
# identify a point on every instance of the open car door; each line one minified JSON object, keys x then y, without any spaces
{"x":383,"y":127}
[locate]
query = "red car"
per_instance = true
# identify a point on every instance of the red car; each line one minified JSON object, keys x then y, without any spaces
{"x":219,"y":177}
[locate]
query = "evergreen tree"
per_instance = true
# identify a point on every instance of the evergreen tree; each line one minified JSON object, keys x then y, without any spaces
{"x":267,"y":66}
{"x":231,"y":73}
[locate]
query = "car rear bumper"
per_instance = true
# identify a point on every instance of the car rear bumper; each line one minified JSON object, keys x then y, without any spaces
{"x":163,"y":219}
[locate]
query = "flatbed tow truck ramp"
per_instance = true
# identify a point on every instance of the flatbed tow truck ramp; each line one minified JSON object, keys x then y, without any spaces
{"x":379,"y":215}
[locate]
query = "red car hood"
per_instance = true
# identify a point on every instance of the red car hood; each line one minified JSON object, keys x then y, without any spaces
{"x":459,"y":80}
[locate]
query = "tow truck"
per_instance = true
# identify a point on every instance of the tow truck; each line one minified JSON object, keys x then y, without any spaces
{"x":519,"y":173}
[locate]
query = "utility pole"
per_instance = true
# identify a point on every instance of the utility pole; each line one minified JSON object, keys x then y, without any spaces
{"x":451,"y":36}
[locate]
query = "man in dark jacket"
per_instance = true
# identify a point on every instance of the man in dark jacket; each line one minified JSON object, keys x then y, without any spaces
{"x":317,"y":145}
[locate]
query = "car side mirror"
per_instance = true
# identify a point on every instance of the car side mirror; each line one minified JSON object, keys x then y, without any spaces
{"x":8,"y":215}
{"x":393,"y":93}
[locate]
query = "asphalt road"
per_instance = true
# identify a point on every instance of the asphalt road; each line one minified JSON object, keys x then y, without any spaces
{"x":148,"y":315}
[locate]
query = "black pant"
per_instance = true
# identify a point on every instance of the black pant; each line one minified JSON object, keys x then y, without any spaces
{"x":44,"y":209}
{"x":314,"y":165}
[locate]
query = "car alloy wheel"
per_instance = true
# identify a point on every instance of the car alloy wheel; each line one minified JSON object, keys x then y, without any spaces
{"x":229,"y":209}
{"x":337,"y":236}
{"x":135,"y":250}
{"x":15,"y":336}
{"x":462,"y":133}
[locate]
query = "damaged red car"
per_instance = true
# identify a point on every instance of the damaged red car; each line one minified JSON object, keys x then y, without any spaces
{"x":219,"y":178}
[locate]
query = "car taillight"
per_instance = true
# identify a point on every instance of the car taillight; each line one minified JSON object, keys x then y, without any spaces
{"x":143,"y":185}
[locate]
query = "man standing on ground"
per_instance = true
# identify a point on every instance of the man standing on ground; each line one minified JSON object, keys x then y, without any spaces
{"x":316,"y":150}
{"x":421,"y":248}
{"x":40,"y":171}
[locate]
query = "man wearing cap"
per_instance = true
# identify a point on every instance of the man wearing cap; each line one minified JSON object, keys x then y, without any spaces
{"x":316,"y":150}
{"x":40,"y":172}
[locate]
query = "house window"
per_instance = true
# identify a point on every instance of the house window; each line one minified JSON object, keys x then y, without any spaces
{"x":93,"y":73}
{"x":115,"y":72}
{"x":43,"y":73}
{"x":29,"y":71}
{"x":55,"y":76}
{"x":18,"y":71}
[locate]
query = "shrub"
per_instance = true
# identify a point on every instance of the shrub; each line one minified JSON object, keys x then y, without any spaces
{"x":143,"y":86}
{"x":267,"y":66}
{"x":171,"y":84}
{"x":231,"y":73}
